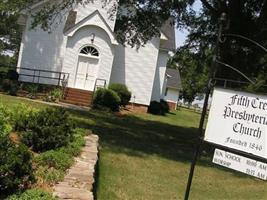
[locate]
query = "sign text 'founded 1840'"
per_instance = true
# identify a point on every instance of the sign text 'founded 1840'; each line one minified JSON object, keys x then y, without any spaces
{"x":238,"y":120}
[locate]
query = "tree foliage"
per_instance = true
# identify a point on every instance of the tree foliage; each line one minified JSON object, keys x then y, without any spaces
{"x":194,"y":70}
{"x":140,"y":20}
{"x":247,"y":18}
{"x":137,"y":21}
{"x":10,"y":31}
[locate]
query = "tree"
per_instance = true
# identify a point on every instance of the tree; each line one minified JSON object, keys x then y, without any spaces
{"x":137,"y":20}
{"x":10,"y":33}
{"x":140,"y":20}
{"x":247,"y":18}
{"x":193,"y":71}
{"x":10,"y":30}
{"x":10,"y":36}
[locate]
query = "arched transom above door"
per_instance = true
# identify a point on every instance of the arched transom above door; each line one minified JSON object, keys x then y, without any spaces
{"x":89,"y":51}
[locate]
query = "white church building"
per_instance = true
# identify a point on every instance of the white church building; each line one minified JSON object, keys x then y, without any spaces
{"x":82,"y":52}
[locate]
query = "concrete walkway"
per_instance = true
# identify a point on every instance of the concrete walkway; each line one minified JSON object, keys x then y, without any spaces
{"x":78,"y":183}
{"x":59,"y":104}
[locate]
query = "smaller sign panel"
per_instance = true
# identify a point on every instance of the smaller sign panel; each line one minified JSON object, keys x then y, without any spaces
{"x":238,"y":120}
{"x":241,"y":164}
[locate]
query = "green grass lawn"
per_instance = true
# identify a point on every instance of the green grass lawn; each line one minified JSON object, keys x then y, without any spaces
{"x":146,"y":157}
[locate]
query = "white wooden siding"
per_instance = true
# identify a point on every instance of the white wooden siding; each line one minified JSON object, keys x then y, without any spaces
{"x":136,"y":69}
{"x":82,"y":38}
{"x":172,"y":95}
{"x":91,"y":6}
{"x":57,"y":52}
{"x":42,"y":50}
{"x":50,"y":51}
{"x":160,"y":76}
{"x":95,"y":19}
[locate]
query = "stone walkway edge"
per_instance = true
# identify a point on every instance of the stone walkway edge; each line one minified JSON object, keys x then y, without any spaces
{"x":80,"y":179}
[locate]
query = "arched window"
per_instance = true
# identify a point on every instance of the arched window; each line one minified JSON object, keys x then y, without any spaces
{"x":89,"y":51}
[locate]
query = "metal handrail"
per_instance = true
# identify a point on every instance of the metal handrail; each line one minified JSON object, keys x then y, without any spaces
{"x":37,"y":74}
{"x":95,"y":87}
{"x":99,"y":79}
{"x":234,"y":81}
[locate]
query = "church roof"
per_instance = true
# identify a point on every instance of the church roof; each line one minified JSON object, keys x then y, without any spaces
{"x":174,"y":79}
{"x":71,"y":20}
{"x":72,"y":26}
{"x":168,"y":29}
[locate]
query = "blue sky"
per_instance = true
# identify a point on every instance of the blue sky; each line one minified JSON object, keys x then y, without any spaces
{"x":182,"y":34}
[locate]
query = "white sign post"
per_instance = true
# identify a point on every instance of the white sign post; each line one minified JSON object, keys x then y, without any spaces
{"x":238,"y":120}
{"x":240,"y":163}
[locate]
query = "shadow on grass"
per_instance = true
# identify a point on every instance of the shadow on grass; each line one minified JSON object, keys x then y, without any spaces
{"x":138,"y":137}
{"x":135,"y":136}
{"x":171,"y":113}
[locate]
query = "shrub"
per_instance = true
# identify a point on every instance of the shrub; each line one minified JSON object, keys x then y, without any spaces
{"x":98,"y":97}
{"x":15,"y":166}
{"x":51,"y":165}
{"x":54,"y":96}
{"x":32,"y":90}
{"x":111,"y":100}
{"x":49,"y":176}
{"x":74,"y":148}
{"x":154,"y":108}
{"x":14,"y":89}
{"x":43,"y":88}
{"x":123,"y":92}
{"x":55,"y":159}
{"x":165,"y":106}
{"x":12,"y":75}
{"x":158,"y":108}
{"x":10,"y":86}
{"x":33,"y":194}
{"x":6,"y":85}
{"x":20,"y":116}
{"x":5,"y":126}
{"x":106,"y":98}
{"x":48,"y":129}
{"x":16,"y":118}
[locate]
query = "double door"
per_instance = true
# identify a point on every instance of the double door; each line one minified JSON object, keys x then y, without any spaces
{"x":86,"y":73}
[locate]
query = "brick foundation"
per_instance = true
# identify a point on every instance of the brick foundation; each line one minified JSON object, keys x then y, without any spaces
{"x":137,"y":108}
{"x":172,"y":105}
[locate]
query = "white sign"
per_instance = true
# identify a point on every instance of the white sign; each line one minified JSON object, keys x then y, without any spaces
{"x":238,"y":120}
{"x":240,"y":163}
